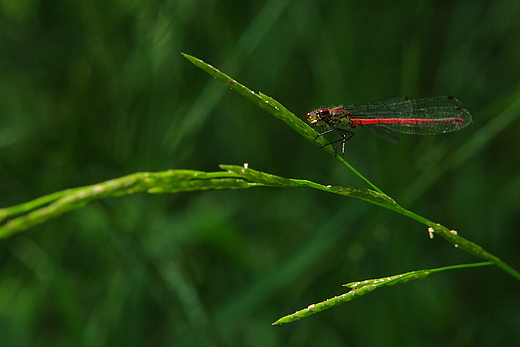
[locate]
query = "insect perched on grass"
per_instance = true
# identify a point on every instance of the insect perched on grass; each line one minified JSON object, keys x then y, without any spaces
{"x":427,"y":116}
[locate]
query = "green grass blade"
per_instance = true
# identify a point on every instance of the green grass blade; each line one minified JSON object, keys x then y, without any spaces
{"x":379,"y":199}
{"x":277,"y":181}
{"x":51,"y":206}
{"x":265,"y":102}
{"x":364,"y":287}
{"x":237,"y":177}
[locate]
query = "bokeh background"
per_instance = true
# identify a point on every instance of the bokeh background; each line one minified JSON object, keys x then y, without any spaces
{"x":94,"y":90}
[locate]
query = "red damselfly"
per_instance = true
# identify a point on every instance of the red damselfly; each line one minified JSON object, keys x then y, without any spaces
{"x":428,"y":116}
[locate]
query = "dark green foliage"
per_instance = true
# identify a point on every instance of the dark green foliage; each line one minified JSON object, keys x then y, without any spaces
{"x":95,"y":90}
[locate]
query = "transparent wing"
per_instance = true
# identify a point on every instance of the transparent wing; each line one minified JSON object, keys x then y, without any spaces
{"x":427,"y":116}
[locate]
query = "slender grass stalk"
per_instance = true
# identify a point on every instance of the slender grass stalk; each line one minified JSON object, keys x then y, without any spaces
{"x":363,"y":287}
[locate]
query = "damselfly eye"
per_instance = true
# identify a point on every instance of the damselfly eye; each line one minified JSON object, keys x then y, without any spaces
{"x":324,"y":112}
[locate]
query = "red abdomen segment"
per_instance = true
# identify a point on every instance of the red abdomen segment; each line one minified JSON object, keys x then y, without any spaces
{"x":417,"y":126}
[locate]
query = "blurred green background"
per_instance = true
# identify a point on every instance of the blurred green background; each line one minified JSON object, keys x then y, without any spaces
{"x":93,"y":90}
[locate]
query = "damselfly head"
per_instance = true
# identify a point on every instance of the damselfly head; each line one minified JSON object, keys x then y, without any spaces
{"x":318,"y":115}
